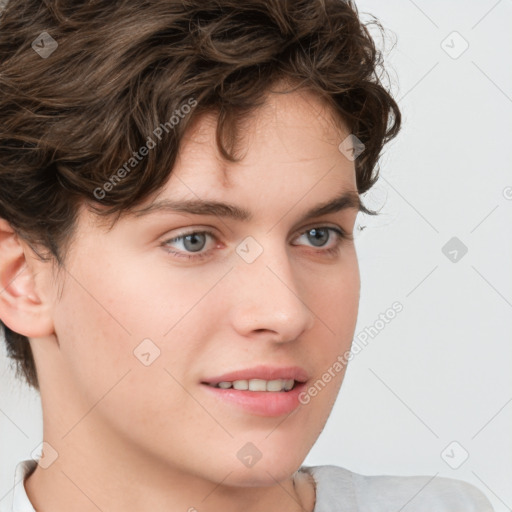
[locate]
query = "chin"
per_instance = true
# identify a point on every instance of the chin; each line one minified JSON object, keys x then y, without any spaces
{"x":267,"y":471}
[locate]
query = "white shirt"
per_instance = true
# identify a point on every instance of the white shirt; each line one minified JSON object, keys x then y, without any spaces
{"x":339,"y":489}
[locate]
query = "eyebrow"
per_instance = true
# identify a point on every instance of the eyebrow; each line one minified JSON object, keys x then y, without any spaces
{"x":347,"y":200}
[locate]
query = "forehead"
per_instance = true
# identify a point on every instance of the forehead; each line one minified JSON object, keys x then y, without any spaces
{"x":289,"y":133}
{"x":287,"y":147}
{"x":297,"y":116}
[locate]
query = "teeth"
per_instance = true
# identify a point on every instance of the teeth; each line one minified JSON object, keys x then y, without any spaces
{"x":288,"y":384}
{"x":273,"y":385}
{"x":258,"y":385}
{"x":241,"y":384}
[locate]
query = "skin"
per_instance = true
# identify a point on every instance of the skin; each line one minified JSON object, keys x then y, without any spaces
{"x":131,"y":437}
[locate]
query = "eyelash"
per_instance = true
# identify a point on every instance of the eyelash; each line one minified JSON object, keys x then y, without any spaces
{"x":340,"y":234}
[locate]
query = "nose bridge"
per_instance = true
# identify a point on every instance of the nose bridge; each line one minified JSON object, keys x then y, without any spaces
{"x":267,"y":297}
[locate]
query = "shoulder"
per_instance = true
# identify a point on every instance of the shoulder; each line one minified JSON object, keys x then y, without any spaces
{"x":388,"y":493}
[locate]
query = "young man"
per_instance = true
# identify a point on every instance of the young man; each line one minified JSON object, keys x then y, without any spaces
{"x":179,"y":186}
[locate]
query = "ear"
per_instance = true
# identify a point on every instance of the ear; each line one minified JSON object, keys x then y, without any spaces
{"x":21,"y":307}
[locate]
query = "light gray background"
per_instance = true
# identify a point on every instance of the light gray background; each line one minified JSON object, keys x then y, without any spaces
{"x":440,"y":371}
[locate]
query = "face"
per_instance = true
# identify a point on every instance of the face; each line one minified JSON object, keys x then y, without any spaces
{"x":152,"y":314}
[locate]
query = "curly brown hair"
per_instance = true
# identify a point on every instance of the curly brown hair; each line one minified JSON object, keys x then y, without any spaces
{"x":85,"y":84}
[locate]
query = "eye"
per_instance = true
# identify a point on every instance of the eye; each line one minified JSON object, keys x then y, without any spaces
{"x":320,"y":236}
{"x":193,"y":243}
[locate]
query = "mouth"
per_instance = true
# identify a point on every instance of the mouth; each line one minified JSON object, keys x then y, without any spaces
{"x":271,"y":386}
{"x":261,"y":390}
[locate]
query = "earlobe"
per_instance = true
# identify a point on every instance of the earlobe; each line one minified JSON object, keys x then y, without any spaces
{"x":21,"y":307}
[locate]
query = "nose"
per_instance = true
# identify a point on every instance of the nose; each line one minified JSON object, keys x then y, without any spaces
{"x":267,"y":298}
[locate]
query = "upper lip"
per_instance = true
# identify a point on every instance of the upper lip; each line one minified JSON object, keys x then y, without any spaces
{"x":262,"y":372}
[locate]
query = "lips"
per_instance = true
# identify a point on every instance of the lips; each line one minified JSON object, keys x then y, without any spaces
{"x":243,"y":389}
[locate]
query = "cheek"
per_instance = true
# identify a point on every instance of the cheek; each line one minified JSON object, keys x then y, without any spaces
{"x":100,"y":318}
{"x":93,"y":332}
{"x":336,"y":302}
{"x":99,"y":330}
{"x":106,"y":315}
{"x":336,"y":305}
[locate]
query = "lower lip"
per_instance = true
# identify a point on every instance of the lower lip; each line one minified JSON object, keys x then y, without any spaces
{"x":261,"y":403}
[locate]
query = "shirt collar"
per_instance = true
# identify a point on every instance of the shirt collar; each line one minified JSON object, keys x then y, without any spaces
{"x":20,"y":501}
